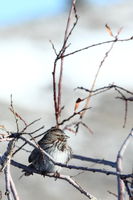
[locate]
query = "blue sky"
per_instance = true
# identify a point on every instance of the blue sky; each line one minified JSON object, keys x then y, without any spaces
{"x":16,"y":11}
{"x":103,"y":2}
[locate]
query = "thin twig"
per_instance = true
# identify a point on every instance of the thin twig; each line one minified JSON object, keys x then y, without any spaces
{"x":76,"y":125}
{"x":71,"y":116}
{"x":14,"y":113}
{"x":112,"y":193}
{"x":74,"y":184}
{"x":126,"y":105}
{"x":36,"y":146}
{"x":23,"y":133}
{"x":117,"y":88}
{"x":95,"y":79}
{"x":98,"y":44}
{"x":27,"y":125}
{"x":53,"y":47}
{"x":60,"y":56}
{"x":66,"y":36}
{"x":19,"y":148}
{"x":110,"y":86}
{"x":31,"y":133}
{"x":23,"y":149}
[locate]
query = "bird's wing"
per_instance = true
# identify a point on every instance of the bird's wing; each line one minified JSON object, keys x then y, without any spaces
{"x":33,"y":155}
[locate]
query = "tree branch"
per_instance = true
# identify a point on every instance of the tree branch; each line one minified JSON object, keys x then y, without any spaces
{"x":60,"y":56}
{"x":97,"y":161}
{"x":98,"y":44}
{"x":121,"y":187}
{"x":74,"y":184}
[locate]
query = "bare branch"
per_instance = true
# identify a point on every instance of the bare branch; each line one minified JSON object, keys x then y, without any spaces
{"x":60,"y":56}
{"x":10,"y":186}
{"x":53,"y":47}
{"x":112,"y":193}
{"x":74,"y":184}
{"x":128,"y":188}
{"x":7,"y":180}
{"x":118,"y":89}
{"x":63,"y":49}
{"x":93,"y":170}
{"x":96,"y":76}
{"x":121,"y":187}
{"x":76,"y":125}
{"x":97,"y":161}
{"x":71,"y":116}
{"x":16,"y":115}
{"x":28,"y":125}
{"x":98,"y":44}
{"x":110,"y":86}
{"x":13,"y":189}
{"x":64,"y":177}
{"x":23,"y":133}
{"x":36,"y":146}
{"x":7,"y":155}
{"x":107,"y":172}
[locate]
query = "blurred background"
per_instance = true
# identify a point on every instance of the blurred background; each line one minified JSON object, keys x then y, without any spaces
{"x":26,"y":64}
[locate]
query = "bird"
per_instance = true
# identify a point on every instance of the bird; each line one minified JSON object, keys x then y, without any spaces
{"x":54,"y":142}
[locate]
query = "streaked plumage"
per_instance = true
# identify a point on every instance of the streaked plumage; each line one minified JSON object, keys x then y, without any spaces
{"x":54,"y":142}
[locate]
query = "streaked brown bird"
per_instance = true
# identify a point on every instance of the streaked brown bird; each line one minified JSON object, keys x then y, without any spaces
{"x":54,"y":142}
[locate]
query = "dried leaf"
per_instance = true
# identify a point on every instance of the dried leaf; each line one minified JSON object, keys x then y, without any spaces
{"x":108,"y":29}
{"x":77,"y":104}
{"x":2,"y":127}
